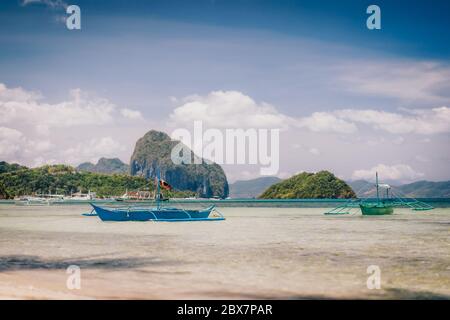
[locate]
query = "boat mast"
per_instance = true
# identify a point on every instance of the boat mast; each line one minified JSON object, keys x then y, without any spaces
{"x":376,"y":179}
{"x":158,"y":189}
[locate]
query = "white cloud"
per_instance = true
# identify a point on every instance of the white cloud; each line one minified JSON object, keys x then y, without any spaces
{"x":399,"y":172}
{"x":131,"y":114}
{"x":50,"y":3}
{"x":406,"y":81}
{"x":26,"y":108}
{"x":19,"y":106}
{"x":42,"y":129}
{"x":15,"y":145}
{"x":40,"y":161}
{"x":42,"y":145}
{"x":326,"y":122}
{"x":17,"y":94}
{"x":228,"y":109}
{"x":11,"y":141}
{"x":419,"y":121}
{"x":92,"y":150}
{"x":314,"y":151}
{"x":33,"y":131}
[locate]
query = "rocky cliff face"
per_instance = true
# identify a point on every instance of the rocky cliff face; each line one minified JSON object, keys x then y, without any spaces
{"x":153,"y":151}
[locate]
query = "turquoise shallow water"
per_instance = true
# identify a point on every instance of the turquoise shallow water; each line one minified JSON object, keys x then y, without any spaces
{"x":255,"y":253}
{"x":281,"y":203}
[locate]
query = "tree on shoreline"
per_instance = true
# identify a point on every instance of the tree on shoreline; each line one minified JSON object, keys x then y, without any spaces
{"x":3,"y":193}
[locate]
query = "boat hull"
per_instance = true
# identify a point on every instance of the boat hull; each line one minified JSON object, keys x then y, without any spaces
{"x":376,"y":209}
{"x":146,"y":214}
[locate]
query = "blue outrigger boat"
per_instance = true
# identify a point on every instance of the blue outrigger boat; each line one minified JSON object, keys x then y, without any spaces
{"x":134,"y":213}
{"x":158,"y":213}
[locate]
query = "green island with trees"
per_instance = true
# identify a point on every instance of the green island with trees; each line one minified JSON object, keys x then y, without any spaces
{"x":16,"y":180}
{"x":305,"y":185}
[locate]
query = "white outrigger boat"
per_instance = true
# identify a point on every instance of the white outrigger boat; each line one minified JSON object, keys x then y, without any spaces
{"x":79,"y":196}
{"x":39,"y":200}
{"x":50,"y":199}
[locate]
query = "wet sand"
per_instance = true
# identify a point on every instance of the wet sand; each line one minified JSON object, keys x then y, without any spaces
{"x":274,"y":253}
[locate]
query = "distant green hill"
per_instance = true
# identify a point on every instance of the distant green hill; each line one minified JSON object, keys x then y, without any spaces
{"x":4,"y":169}
{"x":427,"y":189}
{"x":360,"y":186}
{"x":105,"y":165}
{"x":64,"y":179}
{"x":251,"y":188}
{"x":9,"y":167}
{"x":418,"y":189}
{"x":306,"y":185}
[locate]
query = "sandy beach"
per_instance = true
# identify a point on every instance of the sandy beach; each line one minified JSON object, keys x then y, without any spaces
{"x":273,"y":253}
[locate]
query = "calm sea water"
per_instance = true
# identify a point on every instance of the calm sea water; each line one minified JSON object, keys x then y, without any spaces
{"x":255,"y":253}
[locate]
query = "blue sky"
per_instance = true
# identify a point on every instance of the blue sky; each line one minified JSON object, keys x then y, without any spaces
{"x":309,"y":60}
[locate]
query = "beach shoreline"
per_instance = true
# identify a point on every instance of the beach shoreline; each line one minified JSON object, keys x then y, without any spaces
{"x":257,"y":253}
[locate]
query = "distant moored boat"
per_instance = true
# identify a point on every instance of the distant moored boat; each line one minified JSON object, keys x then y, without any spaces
{"x":373,"y":209}
{"x":380,"y":205}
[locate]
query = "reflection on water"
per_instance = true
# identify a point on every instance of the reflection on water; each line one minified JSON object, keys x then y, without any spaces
{"x":255,"y":253}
